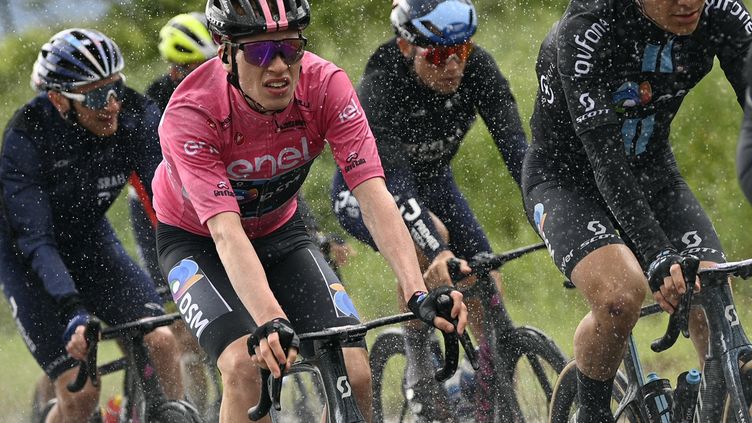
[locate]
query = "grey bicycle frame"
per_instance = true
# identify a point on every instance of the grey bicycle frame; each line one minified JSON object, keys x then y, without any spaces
{"x":727,"y":343}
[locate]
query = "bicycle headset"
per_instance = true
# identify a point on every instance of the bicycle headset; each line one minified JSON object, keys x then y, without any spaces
{"x":185,"y":39}
{"x":75,"y":57}
{"x":434,"y":22}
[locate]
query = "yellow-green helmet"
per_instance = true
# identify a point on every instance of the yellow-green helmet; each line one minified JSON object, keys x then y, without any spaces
{"x":186,"y":40}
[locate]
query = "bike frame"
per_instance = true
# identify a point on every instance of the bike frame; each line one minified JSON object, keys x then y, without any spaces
{"x":727,"y":344}
{"x":328,"y":363}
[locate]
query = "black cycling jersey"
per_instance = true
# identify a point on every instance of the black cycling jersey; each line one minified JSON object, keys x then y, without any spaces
{"x":611,"y":82}
{"x":58,"y":180}
{"x":744,"y":149}
{"x":418,"y":131}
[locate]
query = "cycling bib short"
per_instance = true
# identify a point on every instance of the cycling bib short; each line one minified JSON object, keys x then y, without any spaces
{"x":306,"y":288}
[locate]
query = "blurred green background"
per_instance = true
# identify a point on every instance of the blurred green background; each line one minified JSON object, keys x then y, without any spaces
{"x":704,"y":136}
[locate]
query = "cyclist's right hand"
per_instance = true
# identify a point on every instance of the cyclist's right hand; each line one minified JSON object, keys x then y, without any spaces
{"x":426,"y":306}
{"x":274,"y":346}
{"x":437,"y":273}
{"x":73,"y":337}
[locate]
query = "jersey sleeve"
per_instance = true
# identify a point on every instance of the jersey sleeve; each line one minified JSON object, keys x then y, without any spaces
{"x":347,"y":132}
{"x":498,"y":108}
{"x":376,"y":91}
{"x":190,"y":144}
{"x":733,"y":37}
{"x":584,"y":45}
{"x":29,"y":213}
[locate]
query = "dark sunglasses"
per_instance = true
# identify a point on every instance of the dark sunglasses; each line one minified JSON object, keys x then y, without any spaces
{"x":262,"y":53}
{"x":439,"y":55}
{"x":98,"y":98}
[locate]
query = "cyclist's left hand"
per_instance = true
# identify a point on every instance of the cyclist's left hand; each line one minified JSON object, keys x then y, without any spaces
{"x":667,"y":280}
{"x":425,"y":305}
{"x":437,"y":273}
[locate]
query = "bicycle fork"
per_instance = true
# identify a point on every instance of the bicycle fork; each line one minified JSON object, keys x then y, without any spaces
{"x":334,"y":377}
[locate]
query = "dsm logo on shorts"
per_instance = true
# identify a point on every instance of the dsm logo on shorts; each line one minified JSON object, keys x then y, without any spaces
{"x":196,"y":298}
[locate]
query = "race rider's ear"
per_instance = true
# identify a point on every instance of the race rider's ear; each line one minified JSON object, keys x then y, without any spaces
{"x":407,"y":49}
{"x":61,"y":103}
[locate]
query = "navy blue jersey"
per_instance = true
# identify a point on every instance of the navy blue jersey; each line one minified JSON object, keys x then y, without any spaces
{"x":418,"y":130}
{"x":744,"y":149}
{"x":58,"y":180}
{"x":611,"y":82}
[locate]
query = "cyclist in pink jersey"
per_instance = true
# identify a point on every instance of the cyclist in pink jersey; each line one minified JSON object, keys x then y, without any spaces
{"x":238,"y":138}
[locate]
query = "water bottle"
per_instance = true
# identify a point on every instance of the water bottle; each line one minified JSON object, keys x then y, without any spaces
{"x":658,"y":401}
{"x":111,"y":413}
{"x":685,"y":396}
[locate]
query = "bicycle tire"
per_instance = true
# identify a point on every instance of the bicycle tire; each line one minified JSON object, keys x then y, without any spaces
{"x":564,"y":399}
{"x":177,"y":412}
{"x":386,"y":345}
{"x":533,"y":363}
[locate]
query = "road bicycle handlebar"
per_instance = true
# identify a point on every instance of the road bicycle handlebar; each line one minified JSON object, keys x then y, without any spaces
{"x":482,"y":263}
{"x":679,"y":320}
{"x":87,"y":369}
{"x":270,"y":395}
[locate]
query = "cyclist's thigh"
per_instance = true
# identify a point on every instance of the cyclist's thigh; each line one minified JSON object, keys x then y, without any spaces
{"x":112,"y":285}
{"x":572,"y":223}
{"x":347,"y":211}
{"x":306,"y":288}
{"x":442,"y":196}
{"x":34,"y":312}
{"x":201,"y":289}
{"x":686,"y":224}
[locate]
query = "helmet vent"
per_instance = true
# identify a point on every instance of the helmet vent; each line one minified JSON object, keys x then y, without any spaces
{"x":239,"y":9}
{"x":431,"y":27}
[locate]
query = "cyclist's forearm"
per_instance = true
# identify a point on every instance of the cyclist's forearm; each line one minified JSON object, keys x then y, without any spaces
{"x":385,"y":224}
{"x":243,"y":267}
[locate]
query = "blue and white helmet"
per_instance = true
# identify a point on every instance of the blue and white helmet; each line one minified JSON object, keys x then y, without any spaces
{"x":75,"y":57}
{"x":434,"y":22}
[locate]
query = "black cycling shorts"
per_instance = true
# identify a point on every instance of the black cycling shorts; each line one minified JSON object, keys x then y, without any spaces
{"x":302,"y":282}
{"x":575,"y":221}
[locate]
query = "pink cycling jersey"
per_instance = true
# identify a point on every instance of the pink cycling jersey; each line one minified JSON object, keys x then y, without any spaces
{"x":220,"y":155}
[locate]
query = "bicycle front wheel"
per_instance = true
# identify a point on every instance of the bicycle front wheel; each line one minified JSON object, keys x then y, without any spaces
{"x":534,"y":362}
{"x":564,"y":400}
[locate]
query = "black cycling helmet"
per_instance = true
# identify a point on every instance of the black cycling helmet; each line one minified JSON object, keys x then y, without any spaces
{"x":75,"y":57}
{"x":434,"y":22}
{"x":231,"y":19}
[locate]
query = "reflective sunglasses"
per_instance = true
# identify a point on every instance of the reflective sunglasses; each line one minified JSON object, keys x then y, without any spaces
{"x":440,"y":55}
{"x":98,"y":98}
{"x":262,"y":53}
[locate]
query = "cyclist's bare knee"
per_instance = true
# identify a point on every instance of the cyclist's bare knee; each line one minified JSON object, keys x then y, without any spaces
{"x":359,"y":374}
{"x":614,"y":285}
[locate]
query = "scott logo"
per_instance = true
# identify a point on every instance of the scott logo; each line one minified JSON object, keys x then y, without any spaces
{"x":691,"y":239}
{"x":343,"y":386}
{"x":596,"y":227}
{"x":587,"y":102}
{"x":731,"y":315}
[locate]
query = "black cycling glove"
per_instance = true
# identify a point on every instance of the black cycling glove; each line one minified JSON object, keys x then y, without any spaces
{"x":427,"y":305}
{"x":660,"y":268}
{"x":287,"y":336}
